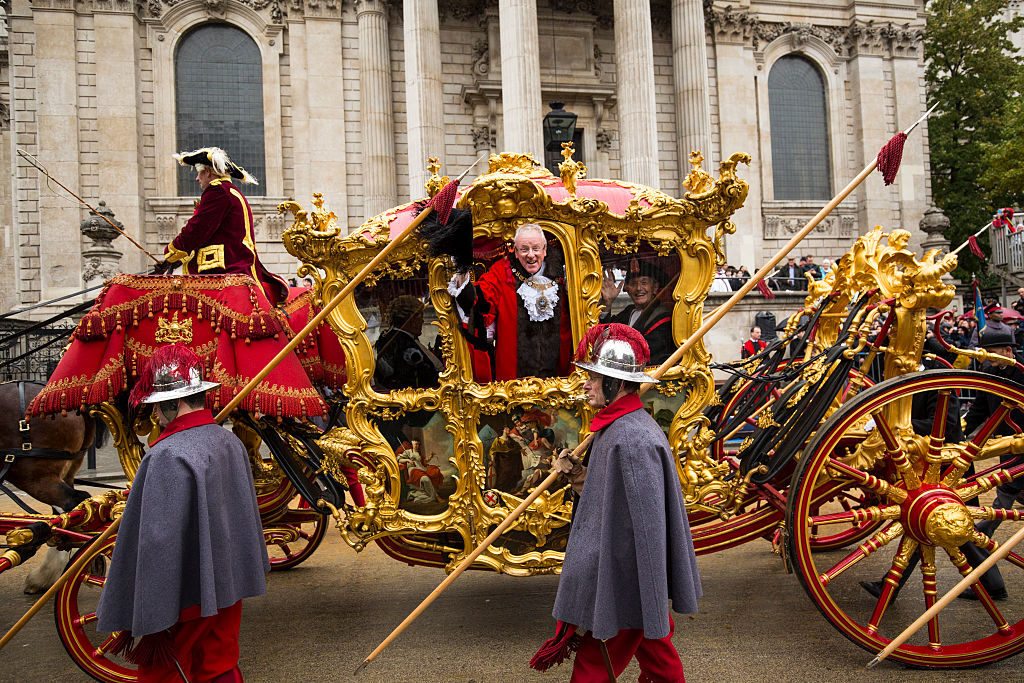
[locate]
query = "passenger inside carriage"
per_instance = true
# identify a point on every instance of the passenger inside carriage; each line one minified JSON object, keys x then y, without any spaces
{"x":523,"y":298}
{"x":402,"y":360}
{"x":643,"y":284}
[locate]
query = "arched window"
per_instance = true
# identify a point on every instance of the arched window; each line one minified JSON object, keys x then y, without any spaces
{"x":218,"y":79}
{"x":800,"y":146}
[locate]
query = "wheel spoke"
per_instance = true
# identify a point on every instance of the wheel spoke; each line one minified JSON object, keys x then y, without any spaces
{"x":964,"y":567}
{"x":931,"y":591}
{"x":973,"y":489}
{"x":101,"y":649}
{"x":894,"y":449}
{"x":892,"y":581}
{"x":937,"y":438}
{"x":1001,"y":514}
{"x":878,"y":540}
{"x":93,"y":580}
{"x":868,"y":481}
{"x":860,"y":516}
{"x":989,"y":544}
{"x":963,"y":461}
{"x":84,"y":619}
{"x":286,"y":549}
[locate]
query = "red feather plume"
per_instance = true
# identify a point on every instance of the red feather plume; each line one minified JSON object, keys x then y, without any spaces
{"x":177,"y":355}
{"x":598,"y":334}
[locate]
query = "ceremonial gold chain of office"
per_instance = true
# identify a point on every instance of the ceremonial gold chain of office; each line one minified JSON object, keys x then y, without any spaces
{"x":542,"y":301}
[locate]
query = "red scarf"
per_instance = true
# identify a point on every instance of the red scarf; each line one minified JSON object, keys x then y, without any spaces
{"x":187,"y":421}
{"x":615,"y":410}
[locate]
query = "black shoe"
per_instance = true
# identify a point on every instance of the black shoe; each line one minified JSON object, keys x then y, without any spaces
{"x":872,"y":587}
{"x":998,"y":594}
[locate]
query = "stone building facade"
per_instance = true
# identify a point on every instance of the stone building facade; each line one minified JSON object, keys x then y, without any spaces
{"x":357,"y":94}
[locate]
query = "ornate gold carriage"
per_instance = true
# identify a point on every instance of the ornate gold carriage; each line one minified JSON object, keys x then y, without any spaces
{"x":476,"y":439}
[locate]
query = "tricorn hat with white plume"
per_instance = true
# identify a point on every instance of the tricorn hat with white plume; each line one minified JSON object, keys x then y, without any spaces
{"x":217,"y":159}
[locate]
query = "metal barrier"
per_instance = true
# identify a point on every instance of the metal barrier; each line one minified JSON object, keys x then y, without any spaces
{"x":34,"y":354}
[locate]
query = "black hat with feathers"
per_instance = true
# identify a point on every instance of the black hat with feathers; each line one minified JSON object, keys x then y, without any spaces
{"x":454,"y":238}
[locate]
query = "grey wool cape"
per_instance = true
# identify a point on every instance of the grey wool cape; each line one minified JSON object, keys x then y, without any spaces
{"x":629,"y":552}
{"x":191,"y":532}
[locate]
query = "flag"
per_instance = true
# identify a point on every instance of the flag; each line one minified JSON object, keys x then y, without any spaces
{"x":763,"y":288}
{"x":1004,"y":219}
{"x":972,"y":244}
{"x":979,"y":308}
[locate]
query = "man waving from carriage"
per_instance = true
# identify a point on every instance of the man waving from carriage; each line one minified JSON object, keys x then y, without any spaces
{"x":219,"y":237}
{"x":190,"y":546}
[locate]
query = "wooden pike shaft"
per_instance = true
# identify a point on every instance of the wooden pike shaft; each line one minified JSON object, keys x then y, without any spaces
{"x":338,"y":298}
{"x":74,"y":568}
{"x":972,"y":578}
{"x":28,"y":157}
{"x":670,"y":362}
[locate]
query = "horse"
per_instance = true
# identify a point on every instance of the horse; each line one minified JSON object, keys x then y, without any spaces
{"x":47,"y":470}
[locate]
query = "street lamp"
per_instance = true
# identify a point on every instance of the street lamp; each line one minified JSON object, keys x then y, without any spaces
{"x":559,"y":126}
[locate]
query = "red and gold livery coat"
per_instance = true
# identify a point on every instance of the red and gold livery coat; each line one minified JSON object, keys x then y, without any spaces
{"x":218,"y":239}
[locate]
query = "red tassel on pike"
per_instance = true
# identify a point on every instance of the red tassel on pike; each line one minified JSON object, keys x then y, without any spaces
{"x":444,"y":200}
{"x":972,"y":244}
{"x":556,"y":650}
{"x":763,"y":288}
{"x":890,"y":156}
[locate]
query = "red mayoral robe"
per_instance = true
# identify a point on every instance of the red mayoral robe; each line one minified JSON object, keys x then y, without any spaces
{"x":498,"y":285}
{"x":219,"y":239}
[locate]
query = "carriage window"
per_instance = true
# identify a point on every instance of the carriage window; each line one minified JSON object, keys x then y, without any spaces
{"x":406,"y":347}
{"x":515,"y":315}
{"x":636,"y":290}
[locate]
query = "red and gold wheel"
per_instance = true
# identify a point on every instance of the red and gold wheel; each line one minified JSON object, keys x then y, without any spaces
{"x":922,"y":492}
{"x":75,"y":614}
{"x":294,"y":536}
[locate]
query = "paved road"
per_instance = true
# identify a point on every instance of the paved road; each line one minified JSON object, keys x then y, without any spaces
{"x":320,"y":619}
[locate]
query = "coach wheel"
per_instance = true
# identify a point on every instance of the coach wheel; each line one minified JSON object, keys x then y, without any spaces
{"x":918,"y":485}
{"x":75,"y":614}
{"x":293,"y":537}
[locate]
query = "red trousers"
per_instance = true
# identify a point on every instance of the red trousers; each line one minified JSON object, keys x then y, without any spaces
{"x":206,"y":648}
{"x":659,"y":662}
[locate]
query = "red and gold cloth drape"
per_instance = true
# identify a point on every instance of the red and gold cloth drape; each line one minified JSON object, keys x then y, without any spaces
{"x":225,"y":319}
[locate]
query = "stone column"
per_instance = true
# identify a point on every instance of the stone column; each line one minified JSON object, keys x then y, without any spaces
{"x":522,"y":108}
{"x":690,"y":69}
{"x":423,"y":87}
{"x":638,"y":125}
{"x":379,"y":187}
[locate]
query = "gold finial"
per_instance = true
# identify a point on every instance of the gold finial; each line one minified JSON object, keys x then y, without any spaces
{"x":570,"y":171}
{"x":697,"y":180}
{"x":435,"y":182}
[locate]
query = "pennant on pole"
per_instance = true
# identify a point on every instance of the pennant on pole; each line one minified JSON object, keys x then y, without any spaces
{"x":1004,"y":219}
{"x":979,"y":307}
{"x":972,"y":244}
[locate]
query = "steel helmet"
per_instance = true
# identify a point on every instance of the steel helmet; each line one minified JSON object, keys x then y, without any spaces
{"x":618,"y":351}
{"x":174,"y":371}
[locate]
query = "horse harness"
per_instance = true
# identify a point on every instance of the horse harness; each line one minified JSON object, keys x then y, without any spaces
{"x":27,"y":450}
